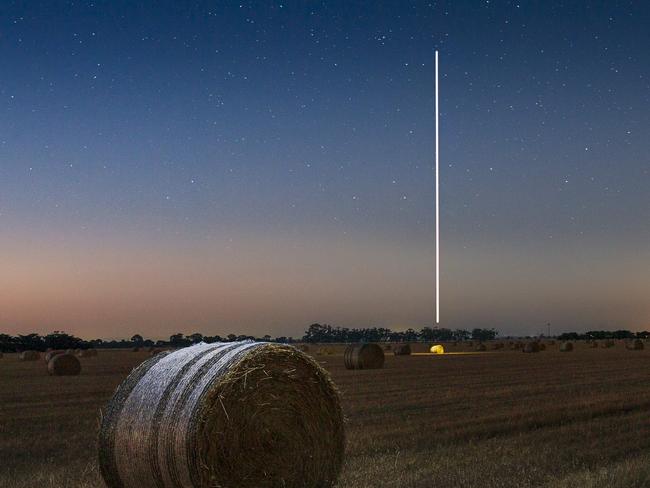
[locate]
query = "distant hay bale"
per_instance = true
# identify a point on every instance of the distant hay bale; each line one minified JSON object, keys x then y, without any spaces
{"x":531,"y":347}
{"x":51,"y":354}
{"x":635,"y":345}
{"x":325,"y":351}
{"x":64,"y":365}
{"x":402,"y":350}
{"x":437,"y":349}
{"x":566,"y":347}
{"x":607,"y":344}
{"x":363,"y":356}
{"x":480,"y":347}
{"x":239,"y":414}
{"x":28,"y":356}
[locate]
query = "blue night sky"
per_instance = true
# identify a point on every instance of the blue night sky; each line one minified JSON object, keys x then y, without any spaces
{"x":254,"y":167}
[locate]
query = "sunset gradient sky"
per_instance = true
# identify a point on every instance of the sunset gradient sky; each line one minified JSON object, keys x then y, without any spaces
{"x":254,"y":167}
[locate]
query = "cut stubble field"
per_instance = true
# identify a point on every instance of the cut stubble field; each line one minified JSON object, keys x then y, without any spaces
{"x":493,"y":419}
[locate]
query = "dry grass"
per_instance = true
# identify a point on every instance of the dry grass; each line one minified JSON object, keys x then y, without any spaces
{"x":493,"y":419}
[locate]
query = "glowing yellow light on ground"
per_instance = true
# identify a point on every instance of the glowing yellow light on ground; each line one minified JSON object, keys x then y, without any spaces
{"x":437,"y":349}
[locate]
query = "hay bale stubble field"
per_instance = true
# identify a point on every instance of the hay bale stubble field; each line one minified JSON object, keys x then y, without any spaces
{"x":475,"y":419}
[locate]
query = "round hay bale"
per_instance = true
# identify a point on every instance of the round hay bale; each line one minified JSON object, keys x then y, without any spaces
{"x":402,"y":350}
{"x":363,"y":356}
{"x":239,"y":414}
{"x":29,"y":356}
{"x":51,"y":354}
{"x":325,"y":351}
{"x":437,"y":349}
{"x":531,"y":347}
{"x":480,"y":347}
{"x":635,"y":345}
{"x":64,"y":365}
{"x":566,"y":347}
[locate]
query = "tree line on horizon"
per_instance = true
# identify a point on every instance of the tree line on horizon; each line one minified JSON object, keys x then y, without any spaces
{"x":315,"y":333}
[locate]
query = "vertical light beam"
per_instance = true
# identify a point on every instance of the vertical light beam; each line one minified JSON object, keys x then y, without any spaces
{"x":437,"y":205}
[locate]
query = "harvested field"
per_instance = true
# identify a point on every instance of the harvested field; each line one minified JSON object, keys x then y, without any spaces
{"x":477,"y":419}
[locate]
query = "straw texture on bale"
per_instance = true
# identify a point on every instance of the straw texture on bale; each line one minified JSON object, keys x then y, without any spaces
{"x":531,"y":347}
{"x":635,"y":345}
{"x":566,"y":347}
{"x":29,"y":356}
{"x":51,"y":354}
{"x":240,"y":414}
{"x":480,"y":347}
{"x":437,"y":349}
{"x":402,"y":350}
{"x":64,"y":365}
{"x":363,"y":356}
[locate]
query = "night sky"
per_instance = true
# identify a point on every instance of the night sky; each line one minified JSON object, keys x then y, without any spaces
{"x":253,"y":167}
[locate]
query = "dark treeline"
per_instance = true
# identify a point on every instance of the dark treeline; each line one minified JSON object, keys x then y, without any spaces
{"x":595,"y":335}
{"x":315,"y":333}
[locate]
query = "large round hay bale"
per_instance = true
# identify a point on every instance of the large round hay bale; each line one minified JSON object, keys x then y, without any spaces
{"x":363,"y":356}
{"x":437,"y":349}
{"x":566,"y":347}
{"x":402,"y":350}
{"x":29,"y":356}
{"x":635,"y":345}
{"x":51,"y":354}
{"x":531,"y":347}
{"x":480,"y":347}
{"x":64,"y":365}
{"x":239,"y":414}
